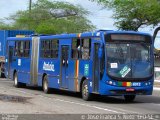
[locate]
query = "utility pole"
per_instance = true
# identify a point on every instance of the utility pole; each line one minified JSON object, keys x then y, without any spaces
{"x":30,"y":5}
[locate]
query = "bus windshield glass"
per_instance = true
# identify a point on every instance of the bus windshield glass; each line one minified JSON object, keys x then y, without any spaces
{"x":129,"y":60}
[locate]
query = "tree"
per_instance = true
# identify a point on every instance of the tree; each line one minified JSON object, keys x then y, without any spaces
{"x":48,"y":17}
{"x":133,"y":14}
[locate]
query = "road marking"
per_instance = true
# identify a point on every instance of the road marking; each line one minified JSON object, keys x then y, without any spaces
{"x":71,"y":102}
{"x":87,"y":105}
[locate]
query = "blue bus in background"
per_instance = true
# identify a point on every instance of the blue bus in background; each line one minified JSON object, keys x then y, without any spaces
{"x":114,"y":63}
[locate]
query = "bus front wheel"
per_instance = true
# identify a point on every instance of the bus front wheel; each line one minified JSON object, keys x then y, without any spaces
{"x":46,"y":89}
{"x":129,"y":98}
{"x":85,"y":92}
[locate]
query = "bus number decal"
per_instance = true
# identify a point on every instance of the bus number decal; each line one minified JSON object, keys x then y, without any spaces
{"x":136,"y":84}
{"x":48,"y":67}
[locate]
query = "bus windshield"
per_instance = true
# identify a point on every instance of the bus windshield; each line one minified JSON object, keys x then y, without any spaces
{"x":129,"y":60}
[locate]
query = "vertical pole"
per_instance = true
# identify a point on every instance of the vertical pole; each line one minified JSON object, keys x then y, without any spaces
{"x":30,"y":5}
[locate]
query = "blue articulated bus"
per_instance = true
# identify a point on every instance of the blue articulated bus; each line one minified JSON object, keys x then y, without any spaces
{"x":114,"y":63}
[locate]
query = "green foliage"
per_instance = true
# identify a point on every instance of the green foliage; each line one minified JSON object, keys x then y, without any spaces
{"x":4,"y":26}
{"x":133,"y":14}
{"x":48,"y":17}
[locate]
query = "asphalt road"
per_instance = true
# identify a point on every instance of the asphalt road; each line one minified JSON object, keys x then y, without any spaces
{"x":32,"y":100}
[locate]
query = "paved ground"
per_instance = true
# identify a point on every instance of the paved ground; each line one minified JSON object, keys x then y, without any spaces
{"x":32,"y":100}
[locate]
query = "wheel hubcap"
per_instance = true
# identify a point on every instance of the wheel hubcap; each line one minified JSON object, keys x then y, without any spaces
{"x":45,"y":85}
{"x":85,"y":90}
{"x":15,"y":80}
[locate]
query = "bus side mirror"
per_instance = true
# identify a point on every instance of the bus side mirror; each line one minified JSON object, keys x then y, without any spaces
{"x":100,"y":52}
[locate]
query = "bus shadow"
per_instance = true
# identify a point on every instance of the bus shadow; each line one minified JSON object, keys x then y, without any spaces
{"x":120,"y":100}
{"x":109,"y":99}
{"x":56,"y":92}
{"x":103,"y":99}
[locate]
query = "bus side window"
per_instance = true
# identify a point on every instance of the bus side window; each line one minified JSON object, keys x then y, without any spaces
{"x":75,"y":48}
{"x":26,"y":48}
{"x":54,"y":48}
{"x":16,"y":48}
{"x":102,"y":65}
{"x":42,"y":49}
{"x":19,"y":48}
{"x":86,"y":48}
{"x":49,"y":48}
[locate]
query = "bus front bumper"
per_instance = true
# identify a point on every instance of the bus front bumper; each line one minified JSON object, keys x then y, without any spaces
{"x":118,"y":91}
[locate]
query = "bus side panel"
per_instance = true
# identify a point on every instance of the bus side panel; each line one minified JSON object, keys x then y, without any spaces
{"x":53,"y":72}
{"x":23,"y":65}
{"x":85,"y":70}
{"x":73,"y":71}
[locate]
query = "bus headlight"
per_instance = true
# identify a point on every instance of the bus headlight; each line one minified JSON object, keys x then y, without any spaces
{"x":110,"y":82}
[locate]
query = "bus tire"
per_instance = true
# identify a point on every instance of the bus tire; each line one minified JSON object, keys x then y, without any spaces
{"x":46,"y":89}
{"x":129,"y":98}
{"x":85,"y":92}
{"x":16,"y":83}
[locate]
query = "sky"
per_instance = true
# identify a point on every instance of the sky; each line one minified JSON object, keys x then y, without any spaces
{"x":101,"y":18}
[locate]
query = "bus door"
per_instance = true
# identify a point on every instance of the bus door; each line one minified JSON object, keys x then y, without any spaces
{"x":10,"y":59}
{"x":64,"y":65}
{"x":96,"y":68}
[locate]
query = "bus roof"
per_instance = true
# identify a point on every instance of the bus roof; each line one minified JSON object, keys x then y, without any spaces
{"x":75,"y":35}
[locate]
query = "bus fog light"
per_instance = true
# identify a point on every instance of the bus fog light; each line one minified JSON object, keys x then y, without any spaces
{"x":110,"y":82}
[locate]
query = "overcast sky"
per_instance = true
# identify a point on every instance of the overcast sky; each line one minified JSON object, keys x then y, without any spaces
{"x":100,"y":18}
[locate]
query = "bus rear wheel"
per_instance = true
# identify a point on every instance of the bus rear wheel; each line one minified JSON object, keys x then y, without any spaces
{"x":85,"y":92}
{"x":16,"y":83}
{"x":46,"y":89}
{"x":129,"y":98}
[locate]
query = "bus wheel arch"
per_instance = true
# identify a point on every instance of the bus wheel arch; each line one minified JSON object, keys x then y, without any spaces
{"x":45,"y":84}
{"x":44,"y":74}
{"x":82,"y":80}
{"x":15,"y":79}
{"x":14,"y":72}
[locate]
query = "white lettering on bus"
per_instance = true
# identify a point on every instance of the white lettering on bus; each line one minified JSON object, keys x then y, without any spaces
{"x":48,"y":67}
